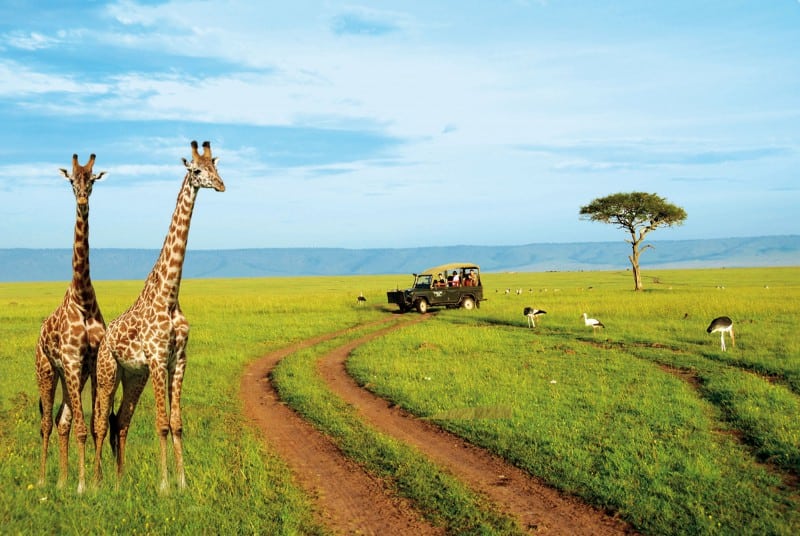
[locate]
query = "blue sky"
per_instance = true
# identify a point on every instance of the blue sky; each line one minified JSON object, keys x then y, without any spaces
{"x":399,"y":124}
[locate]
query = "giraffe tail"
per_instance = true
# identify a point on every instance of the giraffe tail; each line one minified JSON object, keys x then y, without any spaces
{"x":113,"y":432}
{"x":60,"y":412}
{"x":41,"y":414}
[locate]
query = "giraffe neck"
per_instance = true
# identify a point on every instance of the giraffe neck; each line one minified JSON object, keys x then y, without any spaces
{"x":81,"y":288}
{"x":165,"y":278}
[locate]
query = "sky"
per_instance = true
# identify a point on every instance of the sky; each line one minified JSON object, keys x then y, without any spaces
{"x":398,"y":124}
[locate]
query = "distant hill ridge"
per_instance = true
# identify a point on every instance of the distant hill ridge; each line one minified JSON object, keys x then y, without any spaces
{"x":121,"y":264}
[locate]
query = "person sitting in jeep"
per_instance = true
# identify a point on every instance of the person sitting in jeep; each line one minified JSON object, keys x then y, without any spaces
{"x":455,"y":281}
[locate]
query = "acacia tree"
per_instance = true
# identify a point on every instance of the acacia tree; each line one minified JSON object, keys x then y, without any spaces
{"x":638,"y":213}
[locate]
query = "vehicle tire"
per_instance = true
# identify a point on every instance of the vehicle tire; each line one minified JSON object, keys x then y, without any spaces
{"x":468,"y":303}
{"x":422,"y":306}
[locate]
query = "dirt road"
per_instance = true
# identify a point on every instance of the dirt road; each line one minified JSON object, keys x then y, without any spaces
{"x":350,"y":501}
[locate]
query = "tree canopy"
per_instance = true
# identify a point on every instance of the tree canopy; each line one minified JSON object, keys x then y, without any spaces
{"x":636,"y":212}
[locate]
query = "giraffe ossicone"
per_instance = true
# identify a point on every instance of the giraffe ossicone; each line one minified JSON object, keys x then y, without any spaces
{"x":149,"y":339}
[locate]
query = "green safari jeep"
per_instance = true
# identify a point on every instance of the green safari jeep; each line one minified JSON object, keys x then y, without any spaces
{"x":453,"y":285}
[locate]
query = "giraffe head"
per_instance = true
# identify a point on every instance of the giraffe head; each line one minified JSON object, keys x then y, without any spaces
{"x":82,"y":178}
{"x":202,"y":169}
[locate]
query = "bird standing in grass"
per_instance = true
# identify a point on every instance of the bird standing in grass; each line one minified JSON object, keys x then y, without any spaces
{"x":532,"y":313}
{"x":722,"y":324}
{"x":361,"y":298}
{"x":596,"y":324}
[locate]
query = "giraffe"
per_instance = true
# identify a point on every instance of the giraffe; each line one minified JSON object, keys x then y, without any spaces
{"x":149,"y":339}
{"x":69,"y":338}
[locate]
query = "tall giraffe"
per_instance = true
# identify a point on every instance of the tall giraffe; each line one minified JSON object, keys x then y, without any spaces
{"x":149,"y":339}
{"x":69,"y":339}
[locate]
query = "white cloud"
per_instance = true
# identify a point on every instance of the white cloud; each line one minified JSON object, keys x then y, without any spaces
{"x":18,"y":80}
{"x":28,"y":41}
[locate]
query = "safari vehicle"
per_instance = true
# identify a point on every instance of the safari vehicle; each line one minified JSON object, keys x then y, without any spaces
{"x":435,"y":287}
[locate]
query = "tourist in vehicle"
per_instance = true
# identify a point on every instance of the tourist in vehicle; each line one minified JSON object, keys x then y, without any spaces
{"x":456,"y":281}
{"x":440,"y":281}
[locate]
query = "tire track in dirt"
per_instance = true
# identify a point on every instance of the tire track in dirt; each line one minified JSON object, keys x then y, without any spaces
{"x":349,"y":500}
{"x":536,"y":506}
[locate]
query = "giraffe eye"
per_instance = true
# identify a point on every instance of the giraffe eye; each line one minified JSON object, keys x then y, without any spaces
{"x":196,"y":172}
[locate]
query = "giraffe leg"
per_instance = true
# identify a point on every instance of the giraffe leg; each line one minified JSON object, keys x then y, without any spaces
{"x":175,"y":389}
{"x":73,"y":381}
{"x":81,"y":463}
{"x":87,"y":371}
{"x":132,"y":387}
{"x":63,"y":425}
{"x":95,"y":331}
{"x":175,"y":420}
{"x":46,"y":379}
{"x":158,"y":371}
{"x":90,"y":373}
{"x":107,"y":379}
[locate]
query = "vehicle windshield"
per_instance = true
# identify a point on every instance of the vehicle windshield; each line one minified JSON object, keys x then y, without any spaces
{"x":423,"y":281}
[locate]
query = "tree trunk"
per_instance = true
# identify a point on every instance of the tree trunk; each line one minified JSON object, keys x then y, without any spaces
{"x":634,"y":258}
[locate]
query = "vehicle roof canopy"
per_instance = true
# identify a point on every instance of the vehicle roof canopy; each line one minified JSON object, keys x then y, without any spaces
{"x":449,"y":267}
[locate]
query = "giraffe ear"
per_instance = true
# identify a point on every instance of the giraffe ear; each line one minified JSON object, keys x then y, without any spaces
{"x":100,"y":175}
{"x":186,"y":163}
{"x":64,"y":173}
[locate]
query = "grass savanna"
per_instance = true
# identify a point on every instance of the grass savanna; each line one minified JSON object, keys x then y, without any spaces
{"x":647,"y":418}
{"x":234,"y":484}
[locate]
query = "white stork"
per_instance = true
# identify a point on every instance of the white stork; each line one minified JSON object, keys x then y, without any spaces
{"x":592,"y":322}
{"x":532,"y":313}
{"x":722,"y":324}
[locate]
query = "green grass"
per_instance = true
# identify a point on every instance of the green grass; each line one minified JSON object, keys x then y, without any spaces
{"x":647,"y":418}
{"x":441,"y":498}
{"x":235,"y":485}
